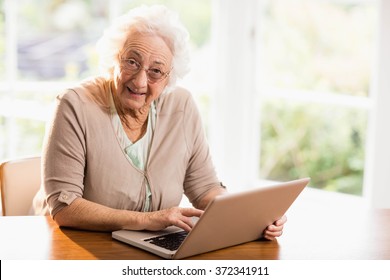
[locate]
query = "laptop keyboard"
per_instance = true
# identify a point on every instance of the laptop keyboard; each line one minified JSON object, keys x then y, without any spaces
{"x":171,"y":241}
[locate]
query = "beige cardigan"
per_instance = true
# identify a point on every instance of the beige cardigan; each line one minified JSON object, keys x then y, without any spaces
{"x":82,"y":157}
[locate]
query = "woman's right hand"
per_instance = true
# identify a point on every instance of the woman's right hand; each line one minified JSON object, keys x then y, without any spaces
{"x":175,"y":216}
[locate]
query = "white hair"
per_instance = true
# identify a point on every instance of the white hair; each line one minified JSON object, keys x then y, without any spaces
{"x":157,"y":20}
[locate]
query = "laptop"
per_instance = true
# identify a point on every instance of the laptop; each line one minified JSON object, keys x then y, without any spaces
{"x":228,"y":220}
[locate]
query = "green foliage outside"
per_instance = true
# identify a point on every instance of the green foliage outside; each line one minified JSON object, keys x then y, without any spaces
{"x":323,"y":142}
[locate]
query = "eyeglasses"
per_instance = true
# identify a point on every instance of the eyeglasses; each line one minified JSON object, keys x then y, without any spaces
{"x":154,"y":75}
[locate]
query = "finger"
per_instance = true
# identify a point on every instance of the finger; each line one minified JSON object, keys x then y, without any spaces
{"x":281,"y":221}
{"x":273,"y":233}
{"x":272,"y":236}
{"x":182,"y":217}
{"x":188,"y":221}
{"x":268,"y":237}
{"x":275,"y":228}
{"x":181,"y":224}
{"x":191,"y":212}
{"x":188,"y":215}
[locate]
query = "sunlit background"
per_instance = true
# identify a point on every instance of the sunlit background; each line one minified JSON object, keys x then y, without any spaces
{"x":284,"y":86}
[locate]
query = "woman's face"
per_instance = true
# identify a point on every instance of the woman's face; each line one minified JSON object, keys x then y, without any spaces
{"x":143,"y":70}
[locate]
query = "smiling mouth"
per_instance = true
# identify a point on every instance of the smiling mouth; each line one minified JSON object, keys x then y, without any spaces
{"x":135,"y":93}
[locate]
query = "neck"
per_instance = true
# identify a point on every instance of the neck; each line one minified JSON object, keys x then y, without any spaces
{"x":134,"y":122}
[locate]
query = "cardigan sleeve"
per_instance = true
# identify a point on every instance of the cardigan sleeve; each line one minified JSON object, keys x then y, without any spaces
{"x":200,"y":173}
{"x":63,"y":155}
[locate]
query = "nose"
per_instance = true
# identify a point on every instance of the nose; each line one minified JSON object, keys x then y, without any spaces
{"x":140,"y":79}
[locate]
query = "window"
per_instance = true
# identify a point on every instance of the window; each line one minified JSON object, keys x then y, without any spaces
{"x":317,"y":63}
{"x":286,"y":88}
{"x":301,"y":91}
{"x":46,"y":46}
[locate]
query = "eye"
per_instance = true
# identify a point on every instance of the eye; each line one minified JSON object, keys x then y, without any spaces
{"x":131,"y":63}
{"x":155,"y":73}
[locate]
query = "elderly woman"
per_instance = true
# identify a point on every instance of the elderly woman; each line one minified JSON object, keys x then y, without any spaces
{"x":123,"y":148}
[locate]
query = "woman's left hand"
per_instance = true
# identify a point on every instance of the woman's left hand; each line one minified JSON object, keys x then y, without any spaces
{"x":276,"y":229}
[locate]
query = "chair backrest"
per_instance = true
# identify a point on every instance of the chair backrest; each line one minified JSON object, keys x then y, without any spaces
{"x":19,"y":181}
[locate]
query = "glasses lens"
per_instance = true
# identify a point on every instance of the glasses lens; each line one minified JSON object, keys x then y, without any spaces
{"x":155,"y":74}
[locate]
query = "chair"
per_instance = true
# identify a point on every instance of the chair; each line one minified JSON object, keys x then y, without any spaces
{"x":19,"y":182}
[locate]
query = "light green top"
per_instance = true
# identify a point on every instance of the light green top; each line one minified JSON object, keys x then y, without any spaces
{"x":136,"y":152}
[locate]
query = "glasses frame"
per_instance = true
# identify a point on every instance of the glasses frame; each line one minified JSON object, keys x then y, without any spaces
{"x":140,"y":67}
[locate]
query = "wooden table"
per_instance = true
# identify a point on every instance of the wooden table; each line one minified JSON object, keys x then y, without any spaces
{"x":321,"y":226}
